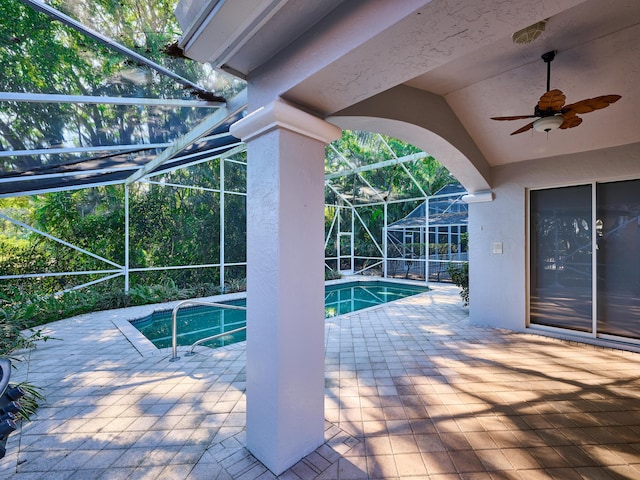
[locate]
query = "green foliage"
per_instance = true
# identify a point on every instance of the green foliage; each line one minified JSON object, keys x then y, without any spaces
{"x":357,"y":149}
{"x":22,"y":311}
{"x":464,"y":241}
{"x":13,"y":340}
{"x":331,"y":274}
{"x":92,"y":218}
{"x":168,"y":226}
{"x":39,"y":55}
{"x":459,"y":273}
{"x":29,"y":403}
{"x":365,"y":239}
{"x":410,"y":180}
{"x":235,"y":285}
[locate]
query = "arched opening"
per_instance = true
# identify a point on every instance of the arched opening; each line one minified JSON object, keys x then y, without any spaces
{"x":426,"y":121}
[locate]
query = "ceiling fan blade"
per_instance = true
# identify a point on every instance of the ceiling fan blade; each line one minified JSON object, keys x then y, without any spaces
{"x":529,"y":126}
{"x":590,"y":104}
{"x":552,"y":100}
{"x":514,"y":117}
{"x":570,"y":120}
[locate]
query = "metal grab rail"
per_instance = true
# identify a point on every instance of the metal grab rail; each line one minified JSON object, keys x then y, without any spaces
{"x":5,"y":374}
{"x":212,"y":337}
{"x":174,"y":321}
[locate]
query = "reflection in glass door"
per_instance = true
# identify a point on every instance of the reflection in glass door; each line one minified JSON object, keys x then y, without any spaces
{"x":562,"y":279}
{"x":561,"y":266}
{"x":618,"y":254}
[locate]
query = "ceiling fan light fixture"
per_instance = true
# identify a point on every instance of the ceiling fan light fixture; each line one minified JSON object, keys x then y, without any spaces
{"x":546,"y":124}
{"x":529,"y":34}
{"x":551,"y":110}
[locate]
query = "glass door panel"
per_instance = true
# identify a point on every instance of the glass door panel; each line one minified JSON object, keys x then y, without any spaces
{"x":618,"y":258}
{"x":561,"y":268}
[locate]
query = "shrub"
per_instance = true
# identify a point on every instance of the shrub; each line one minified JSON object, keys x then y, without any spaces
{"x":331,"y":274}
{"x":11,"y":340}
{"x":459,"y":273}
{"x":235,"y":285}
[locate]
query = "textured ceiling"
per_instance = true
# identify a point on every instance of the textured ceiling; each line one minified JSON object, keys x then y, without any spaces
{"x":463,"y":52}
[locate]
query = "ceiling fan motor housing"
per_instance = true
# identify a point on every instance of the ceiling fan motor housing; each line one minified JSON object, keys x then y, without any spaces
{"x":548,"y":123}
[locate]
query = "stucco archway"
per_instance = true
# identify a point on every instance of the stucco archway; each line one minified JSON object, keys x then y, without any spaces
{"x":426,"y":121}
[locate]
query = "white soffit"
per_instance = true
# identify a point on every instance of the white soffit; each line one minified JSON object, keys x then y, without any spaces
{"x":214,"y":31}
{"x":239,"y":36}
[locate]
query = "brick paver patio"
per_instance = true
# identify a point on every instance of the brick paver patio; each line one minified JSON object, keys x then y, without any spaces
{"x":412,"y":391}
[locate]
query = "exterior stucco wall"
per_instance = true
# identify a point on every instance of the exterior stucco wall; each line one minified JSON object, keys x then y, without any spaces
{"x":497,"y":294}
{"x":498,"y":282}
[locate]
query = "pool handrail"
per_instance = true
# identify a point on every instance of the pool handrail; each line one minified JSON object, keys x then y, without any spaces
{"x":174,"y":321}
{"x":212,"y":337}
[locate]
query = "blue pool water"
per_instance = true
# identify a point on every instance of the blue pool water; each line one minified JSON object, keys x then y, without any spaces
{"x":199,"y":322}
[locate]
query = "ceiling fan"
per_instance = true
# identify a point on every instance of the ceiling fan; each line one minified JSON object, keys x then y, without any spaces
{"x":552,"y":113}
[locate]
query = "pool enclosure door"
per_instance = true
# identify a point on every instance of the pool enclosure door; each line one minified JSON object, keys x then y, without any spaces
{"x":585,"y":259}
{"x":345,"y":253}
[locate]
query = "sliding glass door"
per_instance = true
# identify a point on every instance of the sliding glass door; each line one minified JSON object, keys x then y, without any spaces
{"x":561,"y":266}
{"x":565,"y":237}
{"x":618,"y":254}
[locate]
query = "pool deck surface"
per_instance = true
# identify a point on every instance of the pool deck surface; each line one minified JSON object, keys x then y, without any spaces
{"x":413,"y":390}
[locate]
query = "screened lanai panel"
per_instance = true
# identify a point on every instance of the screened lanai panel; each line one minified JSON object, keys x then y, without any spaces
{"x":396,"y":183}
{"x":183,"y":220}
{"x":146,"y":25}
{"x":34,"y":129}
{"x":103,"y":126}
{"x":42,"y":55}
{"x":398,"y":211}
{"x":368,"y":230}
{"x":235,"y":175}
{"x":150,"y":28}
{"x":404,"y":185}
{"x":348,"y":153}
{"x":379,"y":181}
{"x":357,"y":149}
{"x":235,"y":227}
{"x":334,"y":161}
{"x":345,"y":187}
{"x":433,"y":177}
{"x":107,"y":169}
{"x":330,"y":196}
{"x":127,"y":40}
{"x":363,"y":193}
{"x":202,"y":175}
{"x":205,"y":171}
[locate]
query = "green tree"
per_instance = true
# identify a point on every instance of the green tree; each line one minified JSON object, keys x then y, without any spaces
{"x":357,"y":149}
{"x":39,"y":55}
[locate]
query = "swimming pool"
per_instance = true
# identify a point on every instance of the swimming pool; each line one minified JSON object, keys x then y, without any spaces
{"x":199,"y":322}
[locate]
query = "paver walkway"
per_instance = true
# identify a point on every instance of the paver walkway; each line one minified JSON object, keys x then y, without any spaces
{"x":412,"y":391}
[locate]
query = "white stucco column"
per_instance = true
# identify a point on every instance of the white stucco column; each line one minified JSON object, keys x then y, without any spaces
{"x":285,"y":281}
